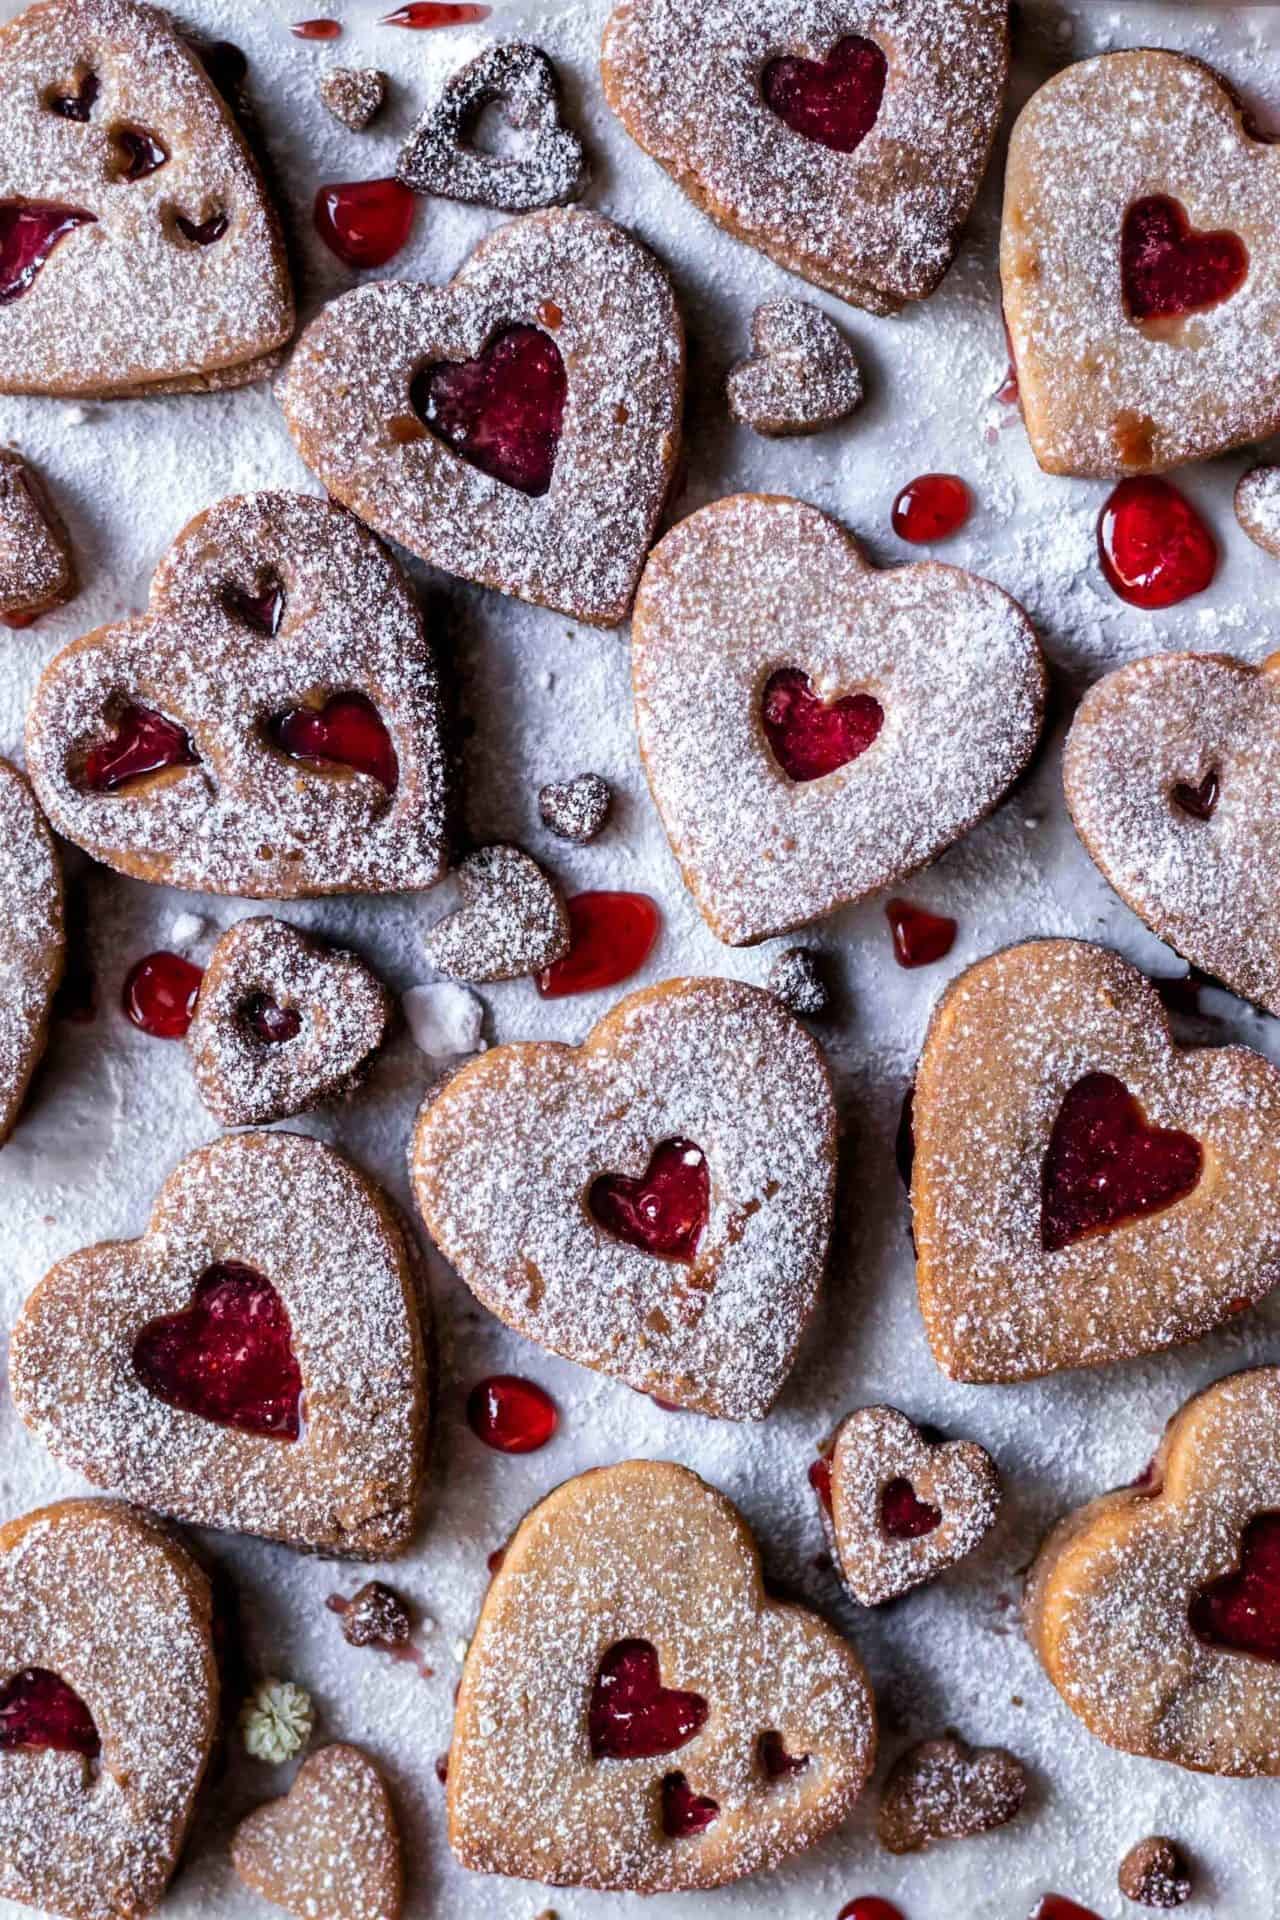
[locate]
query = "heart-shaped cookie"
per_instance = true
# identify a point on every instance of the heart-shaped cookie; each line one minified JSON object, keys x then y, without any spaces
{"x":846,"y":142}
{"x":355,"y":96}
{"x":576,"y":809}
{"x":518,"y":427}
{"x":1083,"y":1190}
{"x":1257,"y":505}
{"x":655,"y":1203}
{"x":237,"y":739}
{"x":1140,"y":272}
{"x":641,"y":1719}
{"x":32,"y":940}
{"x":283,"y":1023}
{"x":797,"y":710}
{"x":330,"y":1847}
{"x":139,"y":251}
{"x":108,"y":1707}
{"x":439,"y":157}
{"x":803,"y":375}
{"x":37,"y":569}
{"x":254,"y":1362}
{"x":1155,"y":1610}
{"x":513,"y":920}
{"x":947,"y":1790}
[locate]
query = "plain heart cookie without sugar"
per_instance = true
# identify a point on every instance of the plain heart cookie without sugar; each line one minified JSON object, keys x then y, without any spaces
{"x":634,"y":1714}
{"x":797,"y":710}
{"x":330,"y":1847}
{"x":656,"y":1203}
{"x":32,"y":940}
{"x":1083,"y":1190}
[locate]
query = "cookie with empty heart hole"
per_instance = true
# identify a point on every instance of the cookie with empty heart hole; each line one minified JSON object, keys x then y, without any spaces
{"x":797,"y":710}
{"x":37,"y":567}
{"x":519,"y":426}
{"x":441,"y":158}
{"x":139,"y":250}
{"x":655,"y":1203}
{"x":331,"y":1846}
{"x":680,"y":1728}
{"x":254,"y":1362}
{"x":32,"y":940}
{"x":270,"y":728}
{"x":1155,"y":1610}
{"x":1083,"y":1190}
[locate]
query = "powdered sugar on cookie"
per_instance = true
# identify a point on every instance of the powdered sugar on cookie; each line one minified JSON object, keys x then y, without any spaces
{"x":32,"y":939}
{"x":37,"y":570}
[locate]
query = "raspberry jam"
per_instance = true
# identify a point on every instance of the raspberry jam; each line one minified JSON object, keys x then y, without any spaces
{"x":932,"y":507}
{"x":503,"y":411}
{"x":665,"y":1210}
{"x":365,"y":222}
{"x":38,"y":1710}
{"x":1105,"y":1165}
{"x":138,"y":154}
{"x":160,"y":993}
{"x":268,"y":1021}
{"x":1056,"y":1906}
{"x":511,"y":1415}
{"x":685,"y":1812}
{"x":1241,"y":1610}
{"x":263,"y":610}
{"x":1169,"y":268}
{"x":1199,"y":801}
{"x":78,"y":105}
{"x":808,"y":737}
{"x":316,"y":29}
{"x":347,"y":731}
{"x":1155,"y":549}
{"x":903,"y":1516}
{"x":835,"y":101}
{"x":632,"y":1716}
{"x":820,"y":1478}
{"x":919,"y":937}
{"x":777,"y":1763}
{"x":435,"y":13}
{"x":203,"y":233}
{"x":29,"y":232}
{"x":229,"y":1357}
{"x":144,"y":742}
{"x":611,"y":937}
{"x":869,"y":1907}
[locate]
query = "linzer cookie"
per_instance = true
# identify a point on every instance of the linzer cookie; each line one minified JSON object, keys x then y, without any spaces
{"x":1083,"y":1190}
{"x":330,"y":1847}
{"x":846,"y":142}
{"x":254,"y":1362}
{"x":803,"y":375}
{"x":655,"y":1203}
{"x":1156,"y":1610}
{"x":645,"y":1720}
{"x":271,"y":728}
{"x":37,"y":569}
{"x":139,"y":251}
{"x":797,"y":710}
{"x":440,"y":157}
{"x":518,"y":427}
{"x":108,"y":1708}
{"x":32,"y":940}
{"x":513,"y":920}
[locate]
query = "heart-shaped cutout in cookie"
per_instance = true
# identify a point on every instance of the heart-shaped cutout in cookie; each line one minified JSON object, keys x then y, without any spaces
{"x":439,"y":157}
{"x":803,"y":376}
{"x":32,"y":943}
{"x":797,"y":710}
{"x":330,"y":1846}
{"x":662,"y":1211}
{"x":948,"y":1790}
{"x":37,"y":568}
{"x":1169,"y":268}
{"x":835,"y":101}
{"x":569,"y":516}
{"x":589,"y":1600}
{"x":207,"y":1369}
{"x":1025,"y":1125}
{"x":507,"y":1155}
{"x":513,"y":921}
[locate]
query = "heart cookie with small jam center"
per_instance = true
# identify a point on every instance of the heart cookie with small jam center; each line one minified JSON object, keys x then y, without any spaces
{"x":331,"y":1846}
{"x":32,"y":940}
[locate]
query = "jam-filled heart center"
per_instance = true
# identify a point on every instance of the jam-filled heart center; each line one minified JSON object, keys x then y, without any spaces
{"x":38,"y":1711}
{"x":1169,"y":268}
{"x":810,"y":738}
{"x":144,"y":742}
{"x":29,"y":232}
{"x":346,"y":731}
{"x":260,"y":607}
{"x":1105,"y":1164}
{"x":268,"y":1021}
{"x":835,"y":101}
{"x":685,"y":1812}
{"x":903,"y":1515}
{"x":1199,"y":800}
{"x":503,"y":411}
{"x":662,"y":1212}
{"x":1241,"y":1610}
{"x":229,"y":1357}
{"x":632,"y":1716}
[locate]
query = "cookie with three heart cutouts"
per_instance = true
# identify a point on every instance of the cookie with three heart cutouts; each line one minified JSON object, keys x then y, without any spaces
{"x":255,"y":1362}
{"x":331,"y":1846}
{"x":1139,"y":266}
{"x":32,"y":940}
{"x":1083,"y":1190}
{"x":518,"y":427}
{"x":440,"y":157}
{"x":646,"y":1720}
{"x":271,"y":728}
{"x":37,"y":567}
{"x":656,"y":1203}
{"x":797,"y":707}
{"x":108,"y":1707}
{"x":1155,"y":1610}
{"x":847,"y":143}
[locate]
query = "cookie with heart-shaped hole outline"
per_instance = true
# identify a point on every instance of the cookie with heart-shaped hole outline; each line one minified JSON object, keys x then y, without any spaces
{"x":330,"y":1244}
{"x":1010,"y":1039}
{"x":264,"y":604}
{"x":1109,"y":1597}
{"x":330,"y":1846}
{"x":550,"y":168}
{"x":506,"y":1153}
{"x":592,"y":1566}
{"x":116,"y":1608}
{"x":756,"y":584}
{"x":37,"y":566}
{"x":33,"y":941}
{"x":608,"y":304}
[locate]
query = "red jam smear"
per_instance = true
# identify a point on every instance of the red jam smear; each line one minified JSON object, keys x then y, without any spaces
{"x":144,"y":742}
{"x":1056,"y":1906}
{"x":502,"y":412}
{"x":611,"y":935}
{"x":160,"y":993}
{"x":869,"y":1907}
{"x":920,"y":938}
{"x":903,"y":1516}
{"x":268,"y":1021}
{"x":665,"y":1210}
{"x":685,"y":1812}
{"x":29,"y":232}
{"x":79,"y":105}
{"x":203,"y":233}
{"x":820,"y":1479}
{"x":365,"y":222}
{"x":40,"y":1711}
{"x":347,"y":731}
{"x":1105,"y":1165}
{"x":835,"y":101}
{"x":229,"y":1357}
{"x":1241,"y":1610}
{"x":263,"y":610}
{"x":138,"y":153}
{"x":1168,"y":267}
{"x":316,"y":30}
{"x":777,"y":1763}
{"x":511,"y":1415}
{"x":422,"y":14}
{"x":632,"y":1716}
{"x":1199,"y":801}
{"x":931,"y":507}
{"x":1156,"y":550}
{"x":810,"y":738}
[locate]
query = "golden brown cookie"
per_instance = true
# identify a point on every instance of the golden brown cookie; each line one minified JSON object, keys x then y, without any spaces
{"x":330,"y":1849}
{"x":803,"y":375}
{"x":947,"y":1790}
{"x":1257,"y":505}
{"x":37,"y":567}
{"x":32,"y":940}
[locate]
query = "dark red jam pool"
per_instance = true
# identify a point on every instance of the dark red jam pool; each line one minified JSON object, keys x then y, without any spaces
{"x":229,"y":1357}
{"x":1106,"y":1165}
{"x":664,"y":1211}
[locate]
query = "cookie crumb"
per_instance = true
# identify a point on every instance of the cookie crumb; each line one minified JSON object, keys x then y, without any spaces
{"x":796,"y":979}
{"x":576,"y":809}
{"x":277,"y":1721}
{"x":355,"y":96}
{"x":1155,"y":1873}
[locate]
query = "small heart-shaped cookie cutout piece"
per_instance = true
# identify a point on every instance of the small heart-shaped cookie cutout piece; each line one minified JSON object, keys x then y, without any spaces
{"x":228,"y":1357}
{"x":513,"y":920}
{"x":664,"y":1210}
{"x":632,"y":1715}
{"x":331,"y":1846}
{"x":803,"y":376}
{"x":1105,"y":1164}
{"x":946,"y":1790}
{"x":836,"y":100}
{"x":577,"y":809}
{"x":501,"y":412}
{"x":1257,"y":506}
{"x":1169,"y":269}
{"x":37,"y":566}
{"x":441,"y":158}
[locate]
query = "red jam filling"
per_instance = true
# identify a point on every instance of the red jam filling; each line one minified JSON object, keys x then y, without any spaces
{"x":229,"y":1357}
{"x":78,"y":105}
{"x":810,"y":738}
{"x":1199,"y":801}
{"x":29,"y":232}
{"x":365,"y":222}
{"x":1056,"y":1906}
{"x":665,"y":1210}
{"x":920,"y":938}
{"x":1241,"y":1610}
{"x":138,"y":153}
{"x":511,"y":1415}
{"x":1105,"y":1165}
{"x":777,"y":1763}
{"x":932,"y":507}
{"x":835,"y":101}
{"x":1155,"y":549}
{"x":435,"y":13}
{"x":268,"y":1021}
{"x":202,"y":233}
{"x":820,"y":1479}
{"x":160,"y":993}
{"x":316,"y":29}
{"x":685,"y":1812}
{"x":144,"y":742}
{"x":1168,"y":267}
{"x":632,"y":1716}
{"x":903,"y":1516}
{"x":502,"y":412}
{"x":611,"y":935}
{"x":38,"y":1710}
{"x":869,"y":1907}
{"x":263,"y":610}
{"x":347,"y":731}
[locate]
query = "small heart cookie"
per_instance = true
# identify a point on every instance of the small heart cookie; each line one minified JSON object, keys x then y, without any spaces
{"x":236,"y":740}
{"x":37,"y":569}
{"x":576,"y":809}
{"x":355,"y":96}
{"x":254,"y":1362}
{"x":1083,"y":1190}
{"x":330,"y":1847}
{"x":32,"y":940}
{"x":1257,"y":505}
{"x":519,"y":427}
{"x":283,"y":1023}
{"x":846,"y":143}
{"x":513,"y":921}
{"x":656,"y":1203}
{"x":1156,"y":1873}
{"x":797,"y":710}
{"x":803,"y":375}
{"x":946,"y":1790}
{"x":108,"y":1707}
{"x":645,"y":1720}
{"x":1140,"y":272}
{"x":1155,"y":1610}
{"x":439,"y":158}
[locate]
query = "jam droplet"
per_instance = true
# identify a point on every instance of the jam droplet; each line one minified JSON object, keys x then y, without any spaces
{"x":421,"y":14}
{"x":869,"y":1907}
{"x":1154,"y":547}
{"x":903,"y":1516}
{"x":777,"y":1763}
{"x":160,"y":993}
{"x":316,"y":29}
{"x":78,"y":105}
{"x":503,"y":411}
{"x":1009,"y":392}
{"x":38,"y":1710}
{"x":269,"y":1022}
{"x":29,"y":232}
{"x":138,"y":154}
{"x":203,"y":233}
{"x":1056,"y":1906}
{"x":347,"y":731}
{"x":611,"y":937}
{"x":685,"y":1812}
{"x":263,"y":610}
{"x":144,"y":742}
{"x":511,"y":1415}
{"x":1169,"y":268}
{"x":820,"y":1478}
{"x":632,"y":1716}
{"x":229,"y":1357}
{"x":365,"y":222}
{"x":665,"y":1210}
{"x":1199,"y":801}
{"x":1241,"y":1610}
{"x":920,"y":938}
{"x":810,"y":738}
{"x":835,"y":101}
{"x":1105,"y":1165}
{"x":932,"y":507}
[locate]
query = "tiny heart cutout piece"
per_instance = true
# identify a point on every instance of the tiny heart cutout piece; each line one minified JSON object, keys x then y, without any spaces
{"x":33,"y":941}
{"x":1257,"y":505}
{"x":439,"y":157}
{"x":637,"y":1685}
{"x":37,"y":568}
{"x":331,"y":1846}
{"x":946,"y":1790}
{"x":513,"y":920}
{"x":803,"y":376}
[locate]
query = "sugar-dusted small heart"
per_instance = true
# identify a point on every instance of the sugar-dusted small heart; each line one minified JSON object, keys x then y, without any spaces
{"x":355,"y":96}
{"x":37,"y":567}
{"x":330,"y":1849}
{"x":576,"y":809}
{"x":635,"y":1714}
{"x":32,"y":940}
{"x":513,"y":920}
{"x":656,"y":1203}
{"x":803,"y":376}
{"x":947,"y":1790}
{"x":520,"y":426}
{"x":1257,"y":505}
{"x":1083,"y":1190}
{"x":254,"y":1362}
{"x":108,"y":1707}
{"x":813,"y":728}
{"x":440,"y":157}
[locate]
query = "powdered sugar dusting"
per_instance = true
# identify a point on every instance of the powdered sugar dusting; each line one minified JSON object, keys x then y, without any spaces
{"x":37,"y":570}
{"x":32,"y":939}
{"x":1257,"y":503}
{"x":329,"y":1850}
